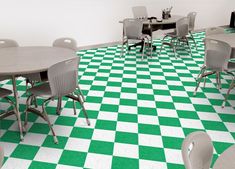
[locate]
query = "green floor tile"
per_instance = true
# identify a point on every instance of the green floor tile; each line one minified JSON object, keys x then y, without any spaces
{"x":101,"y":147}
{"x":126,"y":137}
{"x":73,"y":158}
{"x":150,"y":153}
{"x":25,"y":152}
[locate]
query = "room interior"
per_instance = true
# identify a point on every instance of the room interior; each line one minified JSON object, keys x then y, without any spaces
{"x":132,"y":110}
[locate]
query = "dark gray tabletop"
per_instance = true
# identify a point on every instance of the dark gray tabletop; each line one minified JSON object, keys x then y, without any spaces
{"x":170,"y":20}
{"x":25,"y":60}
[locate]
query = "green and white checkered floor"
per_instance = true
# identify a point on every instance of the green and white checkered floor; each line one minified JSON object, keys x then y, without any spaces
{"x":140,"y":112}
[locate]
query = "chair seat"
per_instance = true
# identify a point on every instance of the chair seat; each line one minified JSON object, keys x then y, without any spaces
{"x":39,"y":77}
{"x":42,"y":90}
{"x":171,"y":34}
{"x":4,"y":92}
{"x":231,"y":67}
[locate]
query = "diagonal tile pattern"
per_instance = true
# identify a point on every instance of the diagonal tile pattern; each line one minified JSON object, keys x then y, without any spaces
{"x":140,"y":113}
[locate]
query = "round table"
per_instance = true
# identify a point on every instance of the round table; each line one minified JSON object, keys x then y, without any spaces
{"x":16,"y":61}
{"x":226,"y":159}
{"x":25,"y":60}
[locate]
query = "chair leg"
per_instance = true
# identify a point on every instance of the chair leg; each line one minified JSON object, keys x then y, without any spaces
{"x":162,"y":45}
{"x":127,"y":47}
{"x":204,"y":84}
{"x":34,"y":99}
{"x":84,"y":110}
{"x":230,"y":88}
{"x":187,"y":41}
{"x":18,"y":118}
{"x":219,"y":76}
{"x":143,"y":51}
{"x":74,"y":107}
{"x":122,"y":51}
{"x":58,"y":108}
{"x":26,"y":111}
{"x":174,"y":50}
{"x":191,"y":35}
{"x":80,"y":93}
{"x":151,"y":47}
{"x":199,"y":80}
{"x":45,"y":115}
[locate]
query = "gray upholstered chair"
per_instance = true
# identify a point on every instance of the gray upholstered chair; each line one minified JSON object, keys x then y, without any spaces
{"x":230,"y":69}
{"x":63,"y":81}
{"x":179,"y":35}
{"x":226,"y":159}
{"x":208,"y":32}
{"x":214,"y":31}
{"x":66,"y":43}
{"x":140,"y":12}
{"x":133,"y":31}
{"x":33,"y":78}
{"x":192,"y":17}
{"x":4,"y":93}
{"x":216,"y":58}
{"x":70,"y":43}
{"x":1,"y":156}
{"x":7,"y":43}
{"x":197,"y":151}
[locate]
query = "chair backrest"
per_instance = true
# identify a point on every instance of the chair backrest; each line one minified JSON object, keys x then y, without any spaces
{"x":1,"y":156}
{"x":6,"y":43}
{"x":214,"y":30}
{"x":132,"y":28}
{"x":139,"y":12}
{"x":66,"y":43}
{"x":217,"y":54}
{"x":192,"y":17}
{"x":182,"y":27}
{"x":226,"y":159}
{"x":197,"y":151}
{"x":63,"y":77}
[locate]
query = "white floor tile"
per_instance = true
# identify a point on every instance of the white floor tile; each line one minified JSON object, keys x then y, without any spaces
{"x":126,"y":150}
{"x":103,"y":135}
{"x":107,"y":116}
{"x":191,"y":123}
{"x":148,"y":119}
{"x":8,"y":148}
{"x":98,"y":161}
{"x":78,"y":144}
{"x":167,"y":113}
{"x":221,"y":136}
{"x":128,"y":109}
{"x":147,"y":164}
{"x":127,"y":127}
{"x":172,"y":131}
{"x":150,"y":140}
{"x":14,"y":163}
{"x":184,"y":106}
{"x":173,"y":156}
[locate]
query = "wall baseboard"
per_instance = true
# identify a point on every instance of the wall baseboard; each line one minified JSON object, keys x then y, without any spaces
{"x":99,"y":45}
{"x":119,"y":42}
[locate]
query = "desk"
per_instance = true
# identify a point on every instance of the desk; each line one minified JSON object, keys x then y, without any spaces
{"x":16,"y":61}
{"x":228,"y":37}
{"x":226,"y":159}
{"x":169,"y":23}
{"x":165,"y":24}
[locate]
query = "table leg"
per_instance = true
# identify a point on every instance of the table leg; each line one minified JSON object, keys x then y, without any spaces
{"x":17,"y":107}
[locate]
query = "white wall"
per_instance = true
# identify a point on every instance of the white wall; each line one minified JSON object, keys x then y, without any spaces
{"x":39,"y":22}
